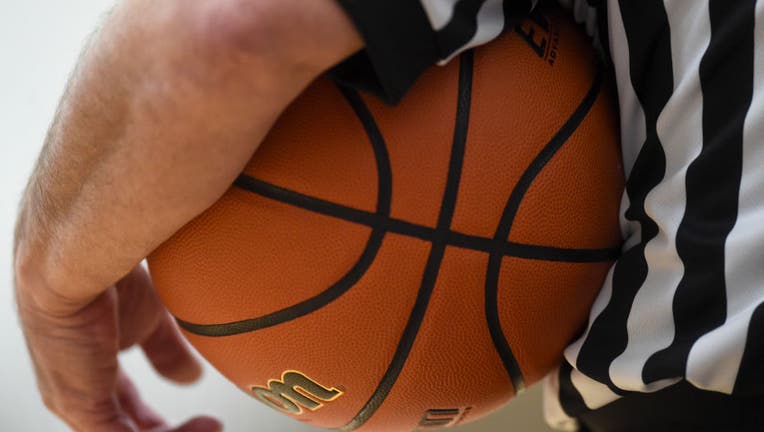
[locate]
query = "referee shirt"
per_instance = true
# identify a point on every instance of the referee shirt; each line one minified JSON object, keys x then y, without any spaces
{"x":684,"y":301}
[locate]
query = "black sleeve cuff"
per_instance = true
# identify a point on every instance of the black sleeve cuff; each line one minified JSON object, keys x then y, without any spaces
{"x":400,"y":45}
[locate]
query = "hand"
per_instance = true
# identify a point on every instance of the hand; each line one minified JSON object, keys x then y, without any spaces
{"x":168,"y":103}
{"x":76,"y":357}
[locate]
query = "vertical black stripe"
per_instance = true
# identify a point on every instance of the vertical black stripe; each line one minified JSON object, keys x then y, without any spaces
{"x":462,"y":27}
{"x":726,"y":78}
{"x":571,"y":400}
{"x":439,"y":243}
{"x":647,"y":32}
{"x":750,"y":378}
{"x":514,"y":11}
{"x":399,"y":45}
{"x":602,"y":16}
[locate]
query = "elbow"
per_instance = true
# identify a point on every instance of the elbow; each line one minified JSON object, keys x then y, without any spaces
{"x":242,"y":36}
{"x":279,"y":36}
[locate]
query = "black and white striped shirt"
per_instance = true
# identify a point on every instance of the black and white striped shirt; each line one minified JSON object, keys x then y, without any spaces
{"x":684,"y":301}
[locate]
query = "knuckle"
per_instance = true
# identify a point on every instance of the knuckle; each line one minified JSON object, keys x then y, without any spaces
{"x":86,"y":410}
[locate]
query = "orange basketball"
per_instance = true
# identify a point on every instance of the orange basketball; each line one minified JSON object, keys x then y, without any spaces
{"x":384,"y":268}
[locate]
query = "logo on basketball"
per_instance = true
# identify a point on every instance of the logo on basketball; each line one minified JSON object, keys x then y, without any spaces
{"x":442,"y":418}
{"x":294,"y":392}
{"x":541,"y":36}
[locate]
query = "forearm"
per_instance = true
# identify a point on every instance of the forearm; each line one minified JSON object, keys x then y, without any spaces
{"x":165,"y":108}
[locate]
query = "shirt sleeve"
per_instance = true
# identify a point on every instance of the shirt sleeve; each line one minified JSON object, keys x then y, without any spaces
{"x":404,"y":37}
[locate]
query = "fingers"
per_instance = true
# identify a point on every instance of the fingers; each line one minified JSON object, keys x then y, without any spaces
{"x":145,"y":321}
{"x":130,"y":401}
{"x":198,"y":424}
{"x":143,"y":418}
{"x":169,"y":353}
{"x":139,"y":307}
{"x":74,"y":358}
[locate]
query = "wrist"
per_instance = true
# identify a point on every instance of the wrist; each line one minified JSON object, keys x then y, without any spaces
{"x":40,"y":282}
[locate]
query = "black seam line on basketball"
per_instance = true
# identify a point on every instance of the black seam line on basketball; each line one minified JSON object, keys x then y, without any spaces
{"x":505,"y":225}
{"x":398,"y":226}
{"x":300,"y":309}
{"x":437,"y":250}
{"x":384,"y":199}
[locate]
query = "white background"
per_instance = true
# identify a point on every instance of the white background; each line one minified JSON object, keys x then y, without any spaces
{"x":39,"y":44}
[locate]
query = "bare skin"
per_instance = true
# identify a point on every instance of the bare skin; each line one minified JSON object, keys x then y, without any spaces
{"x":168,"y":102}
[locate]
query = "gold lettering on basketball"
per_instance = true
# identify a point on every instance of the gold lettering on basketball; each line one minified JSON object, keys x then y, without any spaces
{"x":294,"y":392}
{"x":442,"y":418}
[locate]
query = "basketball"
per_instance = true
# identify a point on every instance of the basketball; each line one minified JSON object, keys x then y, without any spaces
{"x":411,"y":267}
